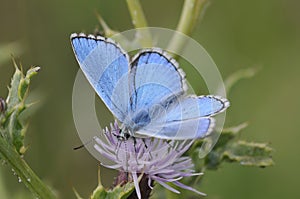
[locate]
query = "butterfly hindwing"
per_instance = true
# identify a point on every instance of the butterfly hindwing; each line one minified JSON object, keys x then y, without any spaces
{"x":180,"y":130}
{"x":106,"y":67}
{"x":185,"y":118}
{"x":196,"y":106}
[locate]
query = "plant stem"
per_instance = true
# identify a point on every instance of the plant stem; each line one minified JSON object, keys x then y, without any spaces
{"x":189,"y":15}
{"x":24,"y":172}
{"x":145,"y":189}
{"x":139,"y":21}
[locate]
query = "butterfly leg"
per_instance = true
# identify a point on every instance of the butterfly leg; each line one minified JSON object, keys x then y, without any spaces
{"x":135,"y":149}
{"x":144,"y":141}
{"x":146,"y":146}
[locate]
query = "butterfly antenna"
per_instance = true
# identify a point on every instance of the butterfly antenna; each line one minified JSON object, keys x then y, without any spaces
{"x":78,"y":147}
{"x":83,"y":145}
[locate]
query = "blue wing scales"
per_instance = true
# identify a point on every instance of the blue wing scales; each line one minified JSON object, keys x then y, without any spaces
{"x":180,"y":130}
{"x":196,"y":106}
{"x":146,"y":95}
{"x":186,"y":118}
{"x":155,"y":79}
{"x":106,"y":67}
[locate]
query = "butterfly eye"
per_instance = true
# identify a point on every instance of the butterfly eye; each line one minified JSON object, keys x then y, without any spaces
{"x":127,"y":136}
{"x":2,"y":105}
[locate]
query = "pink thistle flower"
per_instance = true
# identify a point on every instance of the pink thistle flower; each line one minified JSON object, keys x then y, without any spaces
{"x":158,"y":160}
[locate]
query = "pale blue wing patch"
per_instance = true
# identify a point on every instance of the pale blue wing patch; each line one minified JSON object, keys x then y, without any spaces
{"x":210,"y":105}
{"x":180,"y":130}
{"x":106,"y":67}
{"x":184,"y":118}
{"x":155,"y":78}
{"x":83,"y":45}
{"x":196,"y":106}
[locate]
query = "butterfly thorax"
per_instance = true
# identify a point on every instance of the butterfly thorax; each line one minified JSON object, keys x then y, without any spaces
{"x":124,"y":134}
{"x":132,"y":123}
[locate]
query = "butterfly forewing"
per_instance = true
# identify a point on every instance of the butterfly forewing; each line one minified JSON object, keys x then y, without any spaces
{"x":106,"y":67}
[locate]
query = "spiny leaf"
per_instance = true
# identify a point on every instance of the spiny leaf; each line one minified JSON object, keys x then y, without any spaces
{"x":249,"y":153}
{"x":99,"y":193}
{"x":12,"y":98}
{"x":230,"y":149}
{"x":24,"y":83}
{"x":12,"y":128}
{"x":229,"y":134}
{"x":117,"y":193}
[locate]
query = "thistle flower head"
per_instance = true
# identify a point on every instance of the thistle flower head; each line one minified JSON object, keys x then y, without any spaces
{"x":159,"y":160}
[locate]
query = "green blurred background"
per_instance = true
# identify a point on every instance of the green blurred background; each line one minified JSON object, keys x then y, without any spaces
{"x":237,"y":34}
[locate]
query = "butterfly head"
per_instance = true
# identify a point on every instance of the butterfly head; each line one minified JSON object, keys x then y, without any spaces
{"x":124,"y":134}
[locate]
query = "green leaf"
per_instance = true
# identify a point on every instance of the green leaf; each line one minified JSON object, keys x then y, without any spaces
{"x":13,"y":97}
{"x":12,"y":132}
{"x":229,"y":134}
{"x":230,"y":149}
{"x":24,"y":83}
{"x":117,"y":193}
{"x":99,"y":192}
{"x":249,"y":153}
{"x":12,"y":128}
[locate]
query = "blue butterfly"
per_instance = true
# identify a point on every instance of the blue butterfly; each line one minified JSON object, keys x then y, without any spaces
{"x":147,"y":94}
